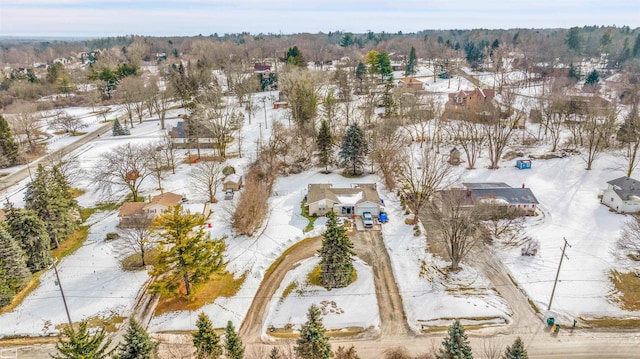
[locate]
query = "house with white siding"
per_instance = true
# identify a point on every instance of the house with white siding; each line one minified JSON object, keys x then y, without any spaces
{"x":622,"y":195}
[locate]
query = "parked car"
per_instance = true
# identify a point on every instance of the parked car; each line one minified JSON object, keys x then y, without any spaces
{"x":382,"y":217}
{"x":228,"y":194}
{"x":367,"y":219}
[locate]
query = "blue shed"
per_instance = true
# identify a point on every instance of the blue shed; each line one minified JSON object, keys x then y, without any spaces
{"x":523,"y":164}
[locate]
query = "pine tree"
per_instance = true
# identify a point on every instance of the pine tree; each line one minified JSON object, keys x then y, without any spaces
{"x":592,"y":79}
{"x":325,"y":144}
{"x":188,"y":256}
{"x":516,"y":350}
{"x":31,"y":232}
{"x":49,"y":195}
{"x":206,"y":340}
{"x":361,"y":71}
{"x":456,"y":344}
{"x":8,"y":145}
{"x":336,"y":263}
{"x":80,"y":344}
{"x":274,"y":354}
{"x":137,"y":344}
{"x":294,"y":57}
{"x":117,"y":129}
{"x":354,"y":148}
{"x":412,"y":62}
{"x":235,"y":349}
{"x":384,"y":66}
{"x":574,"y":72}
{"x":14,"y":261}
{"x":6,"y":293}
{"x":313,"y":344}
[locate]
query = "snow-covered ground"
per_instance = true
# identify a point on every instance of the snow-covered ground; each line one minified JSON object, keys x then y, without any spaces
{"x":432,"y":296}
{"x":352,"y":306}
{"x":96,"y":285}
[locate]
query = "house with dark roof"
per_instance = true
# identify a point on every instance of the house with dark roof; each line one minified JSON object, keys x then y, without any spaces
{"x":184,"y":137}
{"x":355,"y":200}
{"x":622,"y":195}
{"x":497,"y":193}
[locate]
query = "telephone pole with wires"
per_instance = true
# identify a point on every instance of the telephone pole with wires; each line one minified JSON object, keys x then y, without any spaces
{"x":64,"y":300}
{"x":564,"y":248}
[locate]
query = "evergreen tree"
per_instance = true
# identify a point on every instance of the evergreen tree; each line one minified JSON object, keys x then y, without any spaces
{"x":294,"y":57}
{"x":412,"y":63}
{"x":324,"y":142}
{"x":574,"y":72}
{"x":354,"y":148}
{"x":8,"y":145}
{"x":313,"y":344}
{"x":361,"y":71}
{"x":592,"y":79}
{"x":574,"y":39}
{"x":6,"y":293}
{"x":384,"y":66}
{"x":188,"y":256}
{"x":49,"y":195}
{"x":336,"y":263}
{"x":274,"y":354}
{"x":137,"y":344}
{"x":81,"y":344}
{"x":456,"y":344}
{"x":118,"y":130}
{"x":14,"y":261}
{"x":636,"y":47}
{"x":31,"y":232}
{"x":235,"y":348}
{"x":206,"y":340}
{"x":516,"y":350}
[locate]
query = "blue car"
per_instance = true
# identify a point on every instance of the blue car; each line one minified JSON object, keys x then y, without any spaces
{"x":382,"y":217}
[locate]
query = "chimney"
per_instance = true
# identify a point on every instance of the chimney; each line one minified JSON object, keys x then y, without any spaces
{"x":468,"y":192}
{"x":523,"y":185}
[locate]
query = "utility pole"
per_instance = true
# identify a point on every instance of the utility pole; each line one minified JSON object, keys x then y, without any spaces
{"x":264,"y":106}
{"x":558,"y":273}
{"x":64,"y":300}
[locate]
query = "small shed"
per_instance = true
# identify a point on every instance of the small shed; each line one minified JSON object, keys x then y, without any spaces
{"x":232,"y":181}
{"x":454,"y":156}
{"x":523,"y":164}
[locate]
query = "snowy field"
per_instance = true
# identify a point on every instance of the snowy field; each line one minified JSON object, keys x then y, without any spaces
{"x":352,"y":306}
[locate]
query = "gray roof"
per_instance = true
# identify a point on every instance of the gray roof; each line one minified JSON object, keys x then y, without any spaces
{"x":625,"y":187}
{"x":511,"y":195}
{"x":475,"y":185}
{"x":317,"y":192}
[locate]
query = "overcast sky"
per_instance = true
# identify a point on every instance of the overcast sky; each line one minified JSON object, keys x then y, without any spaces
{"x":193,"y":17}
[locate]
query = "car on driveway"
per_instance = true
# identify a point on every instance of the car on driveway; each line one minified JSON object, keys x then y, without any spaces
{"x":367,"y":219}
{"x":382,"y":217}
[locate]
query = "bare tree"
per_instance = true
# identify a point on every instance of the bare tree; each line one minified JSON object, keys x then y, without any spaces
{"x":386,"y":151}
{"x":222,"y":122}
{"x":156,"y":161}
{"x":421,"y":176}
{"x":470,"y":136}
{"x":167,"y":150}
{"x":554,"y":116}
{"x":500,"y":127}
{"x":129,"y":93}
{"x":596,"y":127}
{"x":161,"y":98}
{"x":64,"y":122}
{"x":458,"y":224}
{"x":137,"y":234}
{"x":25,"y":124}
{"x":206,"y":177}
{"x":491,"y":349}
{"x":124,"y":167}
{"x":629,"y":137}
{"x":629,"y":240}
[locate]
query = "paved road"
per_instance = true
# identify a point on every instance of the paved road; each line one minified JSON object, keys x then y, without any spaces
{"x":15,"y":177}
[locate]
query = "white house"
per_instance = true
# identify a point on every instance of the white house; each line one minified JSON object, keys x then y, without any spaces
{"x":622,"y":195}
{"x":356,"y":200}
